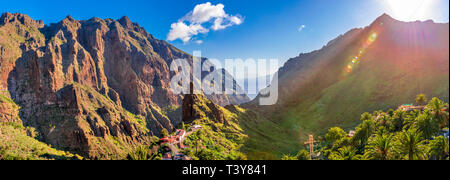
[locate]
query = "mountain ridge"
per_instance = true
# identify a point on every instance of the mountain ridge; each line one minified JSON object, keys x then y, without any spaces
{"x":380,"y":66}
{"x":94,"y":87}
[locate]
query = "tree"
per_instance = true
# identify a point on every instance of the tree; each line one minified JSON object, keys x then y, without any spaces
{"x":335,"y":134}
{"x":288,"y":158}
{"x":410,"y":119}
{"x":366,"y":116}
{"x":363,"y":133}
{"x":345,"y":153}
{"x":140,"y":153}
{"x":303,"y":155}
{"x":439,"y":148}
{"x":390,"y":112}
{"x":421,"y":99}
{"x":398,"y":121}
{"x":427,"y":125}
{"x":164,"y":133}
{"x":410,"y":144}
{"x":379,"y":148}
{"x":437,"y":108}
{"x":384,"y":119}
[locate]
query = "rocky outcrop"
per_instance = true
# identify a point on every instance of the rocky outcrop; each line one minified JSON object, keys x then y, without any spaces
{"x":9,"y":110}
{"x":95,"y":87}
{"x":198,"y":107}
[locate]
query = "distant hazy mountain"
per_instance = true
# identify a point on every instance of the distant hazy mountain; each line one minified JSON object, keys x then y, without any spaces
{"x":380,"y":66}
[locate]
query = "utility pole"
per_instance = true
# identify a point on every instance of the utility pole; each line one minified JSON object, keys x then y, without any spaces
{"x":310,"y":142}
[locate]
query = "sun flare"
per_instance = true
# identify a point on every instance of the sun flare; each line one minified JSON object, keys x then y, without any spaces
{"x":410,"y":10}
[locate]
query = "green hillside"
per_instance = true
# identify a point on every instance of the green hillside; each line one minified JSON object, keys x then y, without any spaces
{"x":16,"y":144}
{"x":233,"y":133}
{"x":376,"y":68}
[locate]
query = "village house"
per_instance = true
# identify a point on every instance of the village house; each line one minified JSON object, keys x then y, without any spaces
{"x":351,"y":134}
{"x":410,"y":107}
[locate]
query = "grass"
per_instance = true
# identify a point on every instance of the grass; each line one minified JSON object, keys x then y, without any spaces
{"x":266,"y":140}
{"x":15,"y":144}
{"x":243,"y":135}
{"x":6,"y":99}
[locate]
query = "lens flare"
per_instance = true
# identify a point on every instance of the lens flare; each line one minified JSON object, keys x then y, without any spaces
{"x":410,"y":10}
{"x":373,"y":37}
{"x":357,"y":59}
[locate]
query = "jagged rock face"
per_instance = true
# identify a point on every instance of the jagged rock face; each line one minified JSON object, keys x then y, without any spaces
{"x":9,"y":111}
{"x":199,"y":107}
{"x":75,"y":81}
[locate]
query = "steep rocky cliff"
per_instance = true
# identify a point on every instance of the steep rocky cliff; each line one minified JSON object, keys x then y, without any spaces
{"x":93,"y":87}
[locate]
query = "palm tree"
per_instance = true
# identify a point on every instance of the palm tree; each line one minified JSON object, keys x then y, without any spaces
{"x":345,"y":153}
{"x":427,"y":125}
{"x":303,"y":155}
{"x":366,"y":116}
{"x":363,"y":133}
{"x":140,"y":153}
{"x":437,"y":108}
{"x":421,"y":99}
{"x":379,"y":148}
{"x":439,"y":148}
{"x":334,"y":134}
{"x":411,"y":145}
{"x":398,"y":121}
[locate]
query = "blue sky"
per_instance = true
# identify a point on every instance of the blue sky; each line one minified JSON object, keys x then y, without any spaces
{"x":270,"y":29}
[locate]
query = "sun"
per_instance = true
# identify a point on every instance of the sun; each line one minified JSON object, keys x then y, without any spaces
{"x":410,"y":10}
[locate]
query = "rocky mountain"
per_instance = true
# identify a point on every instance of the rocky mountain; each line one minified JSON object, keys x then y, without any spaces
{"x":95,"y":87}
{"x":380,"y":66}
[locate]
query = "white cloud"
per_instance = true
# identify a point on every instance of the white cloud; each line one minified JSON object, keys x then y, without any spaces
{"x":218,"y":24}
{"x":212,"y":15}
{"x":225,"y":22}
{"x":199,"y":42}
{"x":205,"y":12}
{"x":236,"y":20}
{"x":300,"y":29}
{"x":184,"y":32}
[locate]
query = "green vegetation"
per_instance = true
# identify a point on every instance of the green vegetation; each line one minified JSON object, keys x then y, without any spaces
{"x":147,"y":152}
{"x":15,"y":144}
{"x":93,"y":104}
{"x":172,"y":112}
{"x":326,"y":96}
{"x":393,"y":135}
{"x":5,"y":99}
{"x":164,"y":133}
{"x":421,"y":99}
{"x":216,"y":140}
{"x":244,"y":134}
{"x":266,"y":140}
{"x":301,"y":155}
{"x":18,"y":142}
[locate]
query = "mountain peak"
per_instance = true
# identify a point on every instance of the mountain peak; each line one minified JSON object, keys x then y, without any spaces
{"x":70,"y":18}
{"x":7,"y":18}
{"x":126,"y":22}
{"x":384,"y":18}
